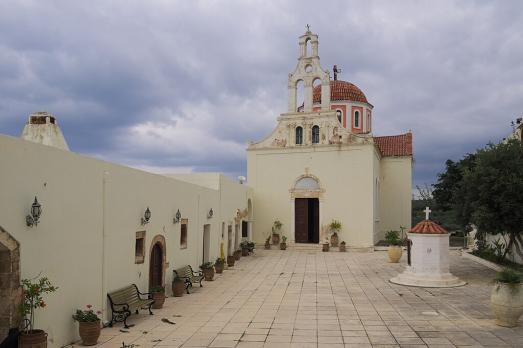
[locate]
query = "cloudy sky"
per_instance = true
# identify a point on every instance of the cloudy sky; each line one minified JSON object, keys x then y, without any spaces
{"x":184,"y":85}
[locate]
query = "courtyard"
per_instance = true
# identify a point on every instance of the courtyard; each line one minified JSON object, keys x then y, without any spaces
{"x":306,"y":298}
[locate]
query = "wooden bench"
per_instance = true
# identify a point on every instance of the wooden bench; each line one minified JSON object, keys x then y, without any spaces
{"x":189,"y":276}
{"x":126,"y":300}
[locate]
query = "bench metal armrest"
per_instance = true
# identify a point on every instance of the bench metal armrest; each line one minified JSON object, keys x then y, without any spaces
{"x":199,"y":273}
{"x":124,"y":305}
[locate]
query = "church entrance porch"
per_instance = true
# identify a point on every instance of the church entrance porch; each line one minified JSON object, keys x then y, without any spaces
{"x":307,"y":220}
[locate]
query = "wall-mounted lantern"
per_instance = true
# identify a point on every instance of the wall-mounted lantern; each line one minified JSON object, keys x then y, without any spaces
{"x":146,"y":217}
{"x":177,"y":217}
{"x":210,"y":214}
{"x":34,"y":218}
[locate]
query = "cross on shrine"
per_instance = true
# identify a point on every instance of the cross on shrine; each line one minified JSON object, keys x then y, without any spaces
{"x":308,"y":28}
{"x":427,"y":212}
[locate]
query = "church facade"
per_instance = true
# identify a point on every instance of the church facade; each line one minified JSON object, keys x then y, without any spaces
{"x":323,"y":163}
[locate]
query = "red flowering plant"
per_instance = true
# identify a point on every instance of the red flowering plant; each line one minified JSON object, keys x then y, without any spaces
{"x":87,"y":315}
{"x":33,"y":291}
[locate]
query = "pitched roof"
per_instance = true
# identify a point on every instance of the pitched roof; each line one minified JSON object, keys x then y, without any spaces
{"x":340,"y":90}
{"x":428,"y":227}
{"x":395,"y":145}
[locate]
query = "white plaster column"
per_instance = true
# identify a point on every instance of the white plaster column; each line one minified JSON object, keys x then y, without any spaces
{"x":307,"y":96}
{"x":325,"y":95}
{"x":292,"y":95}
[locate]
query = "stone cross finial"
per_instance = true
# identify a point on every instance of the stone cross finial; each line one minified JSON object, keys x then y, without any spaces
{"x":427,"y":212}
{"x":336,"y":71}
{"x":308,"y":28}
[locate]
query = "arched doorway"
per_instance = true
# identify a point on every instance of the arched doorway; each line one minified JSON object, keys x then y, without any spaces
{"x":157,"y":262}
{"x":10,"y":291}
{"x":306,"y":197}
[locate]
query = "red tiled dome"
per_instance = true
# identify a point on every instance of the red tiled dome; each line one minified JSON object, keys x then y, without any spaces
{"x":428,"y":227}
{"x":340,"y":90}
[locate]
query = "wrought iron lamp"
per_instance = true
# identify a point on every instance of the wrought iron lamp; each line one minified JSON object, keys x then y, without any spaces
{"x":210,"y":214}
{"x":36,"y":211}
{"x":177,"y":217}
{"x":146,"y":217}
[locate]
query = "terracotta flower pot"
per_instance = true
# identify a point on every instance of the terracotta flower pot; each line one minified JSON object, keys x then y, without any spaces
{"x":245,"y":252}
{"x":506,"y":301}
{"x":325,"y":247}
{"x":395,"y":252}
{"x":237,"y":255}
{"x":275,"y":238}
{"x":334,"y":240}
{"x":230,"y":261}
{"x":208,"y":274}
{"x":89,"y":332}
{"x":159,"y":299}
{"x":178,"y":288}
{"x":343,"y":248}
{"x":33,"y":339}
{"x":218,"y":267}
{"x":283,"y":246}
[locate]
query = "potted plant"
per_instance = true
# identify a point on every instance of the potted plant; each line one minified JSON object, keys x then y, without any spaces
{"x":219,"y":264}
{"x":506,"y":299}
{"x":343,"y":247}
{"x":395,"y":251}
{"x":178,"y":287}
{"x":88,"y":325}
{"x":268,"y":243}
{"x":335,"y":227}
{"x":237,"y":254}
{"x":32,"y":299}
{"x":276,"y":227}
{"x":208,"y":270}
{"x":245,"y":248}
{"x":158,"y":295}
{"x":325,"y":245}
{"x":283,"y":244}
{"x":251,"y":246}
{"x":230,"y":260}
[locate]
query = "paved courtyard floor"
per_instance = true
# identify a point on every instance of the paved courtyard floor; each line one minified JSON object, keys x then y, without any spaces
{"x":313,"y":299}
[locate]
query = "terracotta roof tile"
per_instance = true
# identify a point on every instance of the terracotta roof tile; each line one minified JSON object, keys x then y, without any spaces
{"x":428,"y":227}
{"x":340,"y":90}
{"x":395,"y":145}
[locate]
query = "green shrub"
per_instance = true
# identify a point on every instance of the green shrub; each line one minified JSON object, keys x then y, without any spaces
{"x":508,"y":276}
{"x":393,"y":237}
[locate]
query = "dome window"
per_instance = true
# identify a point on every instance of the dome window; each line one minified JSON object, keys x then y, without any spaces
{"x":315,"y":135}
{"x":356,"y":119}
{"x":299,"y":135}
{"x":339,"y":115}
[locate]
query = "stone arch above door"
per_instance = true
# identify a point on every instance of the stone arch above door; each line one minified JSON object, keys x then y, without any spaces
{"x":10,"y":290}
{"x":307,"y":186}
{"x":160,"y":240}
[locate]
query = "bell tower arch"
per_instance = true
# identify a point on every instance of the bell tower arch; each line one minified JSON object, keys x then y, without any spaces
{"x":308,"y":70}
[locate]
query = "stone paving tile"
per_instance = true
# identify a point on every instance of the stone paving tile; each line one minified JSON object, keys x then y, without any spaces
{"x":306,"y":299}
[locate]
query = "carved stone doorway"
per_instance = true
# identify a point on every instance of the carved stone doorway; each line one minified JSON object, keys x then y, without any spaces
{"x":157,"y":262}
{"x":10,"y":290}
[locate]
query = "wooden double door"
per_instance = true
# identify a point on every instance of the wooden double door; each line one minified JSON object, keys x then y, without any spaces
{"x":307,"y":220}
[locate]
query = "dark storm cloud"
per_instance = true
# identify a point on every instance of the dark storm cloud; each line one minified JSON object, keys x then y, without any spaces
{"x":184,"y":85}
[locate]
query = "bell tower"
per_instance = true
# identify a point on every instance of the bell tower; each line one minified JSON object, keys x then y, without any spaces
{"x":308,"y":70}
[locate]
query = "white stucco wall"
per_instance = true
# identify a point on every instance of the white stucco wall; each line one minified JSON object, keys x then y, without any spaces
{"x":343,"y":172}
{"x":91,"y":210}
{"x":395,"y":199}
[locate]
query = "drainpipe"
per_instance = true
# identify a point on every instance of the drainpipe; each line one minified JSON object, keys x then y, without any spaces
{"x":104,"y":261}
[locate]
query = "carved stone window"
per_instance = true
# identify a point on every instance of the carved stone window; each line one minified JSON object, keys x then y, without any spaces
{"x":315,"y":135}
{"x":299,"y":135}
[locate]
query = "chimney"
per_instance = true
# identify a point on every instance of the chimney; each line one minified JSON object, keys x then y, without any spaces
{"x":42,"y":128}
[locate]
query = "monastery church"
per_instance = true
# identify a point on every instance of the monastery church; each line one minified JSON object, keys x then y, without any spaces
{"x":92,"y":226}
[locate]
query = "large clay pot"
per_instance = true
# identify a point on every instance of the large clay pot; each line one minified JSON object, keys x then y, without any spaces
{"x":208,"y":274}
{"x":245,"y":252}
{"x":325,"y":247}
{"x":230,"y":261}
{"x":506,"y":302}
{"x":237,"y":255}
{"x":395,"y":252}
{"x":275,"y":238}
{"x":283,"y":246}
{"x":343,"y":248}
{"x":159,"y":299}
{"x":33,"y":339}
{"x":218,"y":267}
{"x":334,"y":240}
{"x":178,"y":288}
{"x":89,"y":332}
